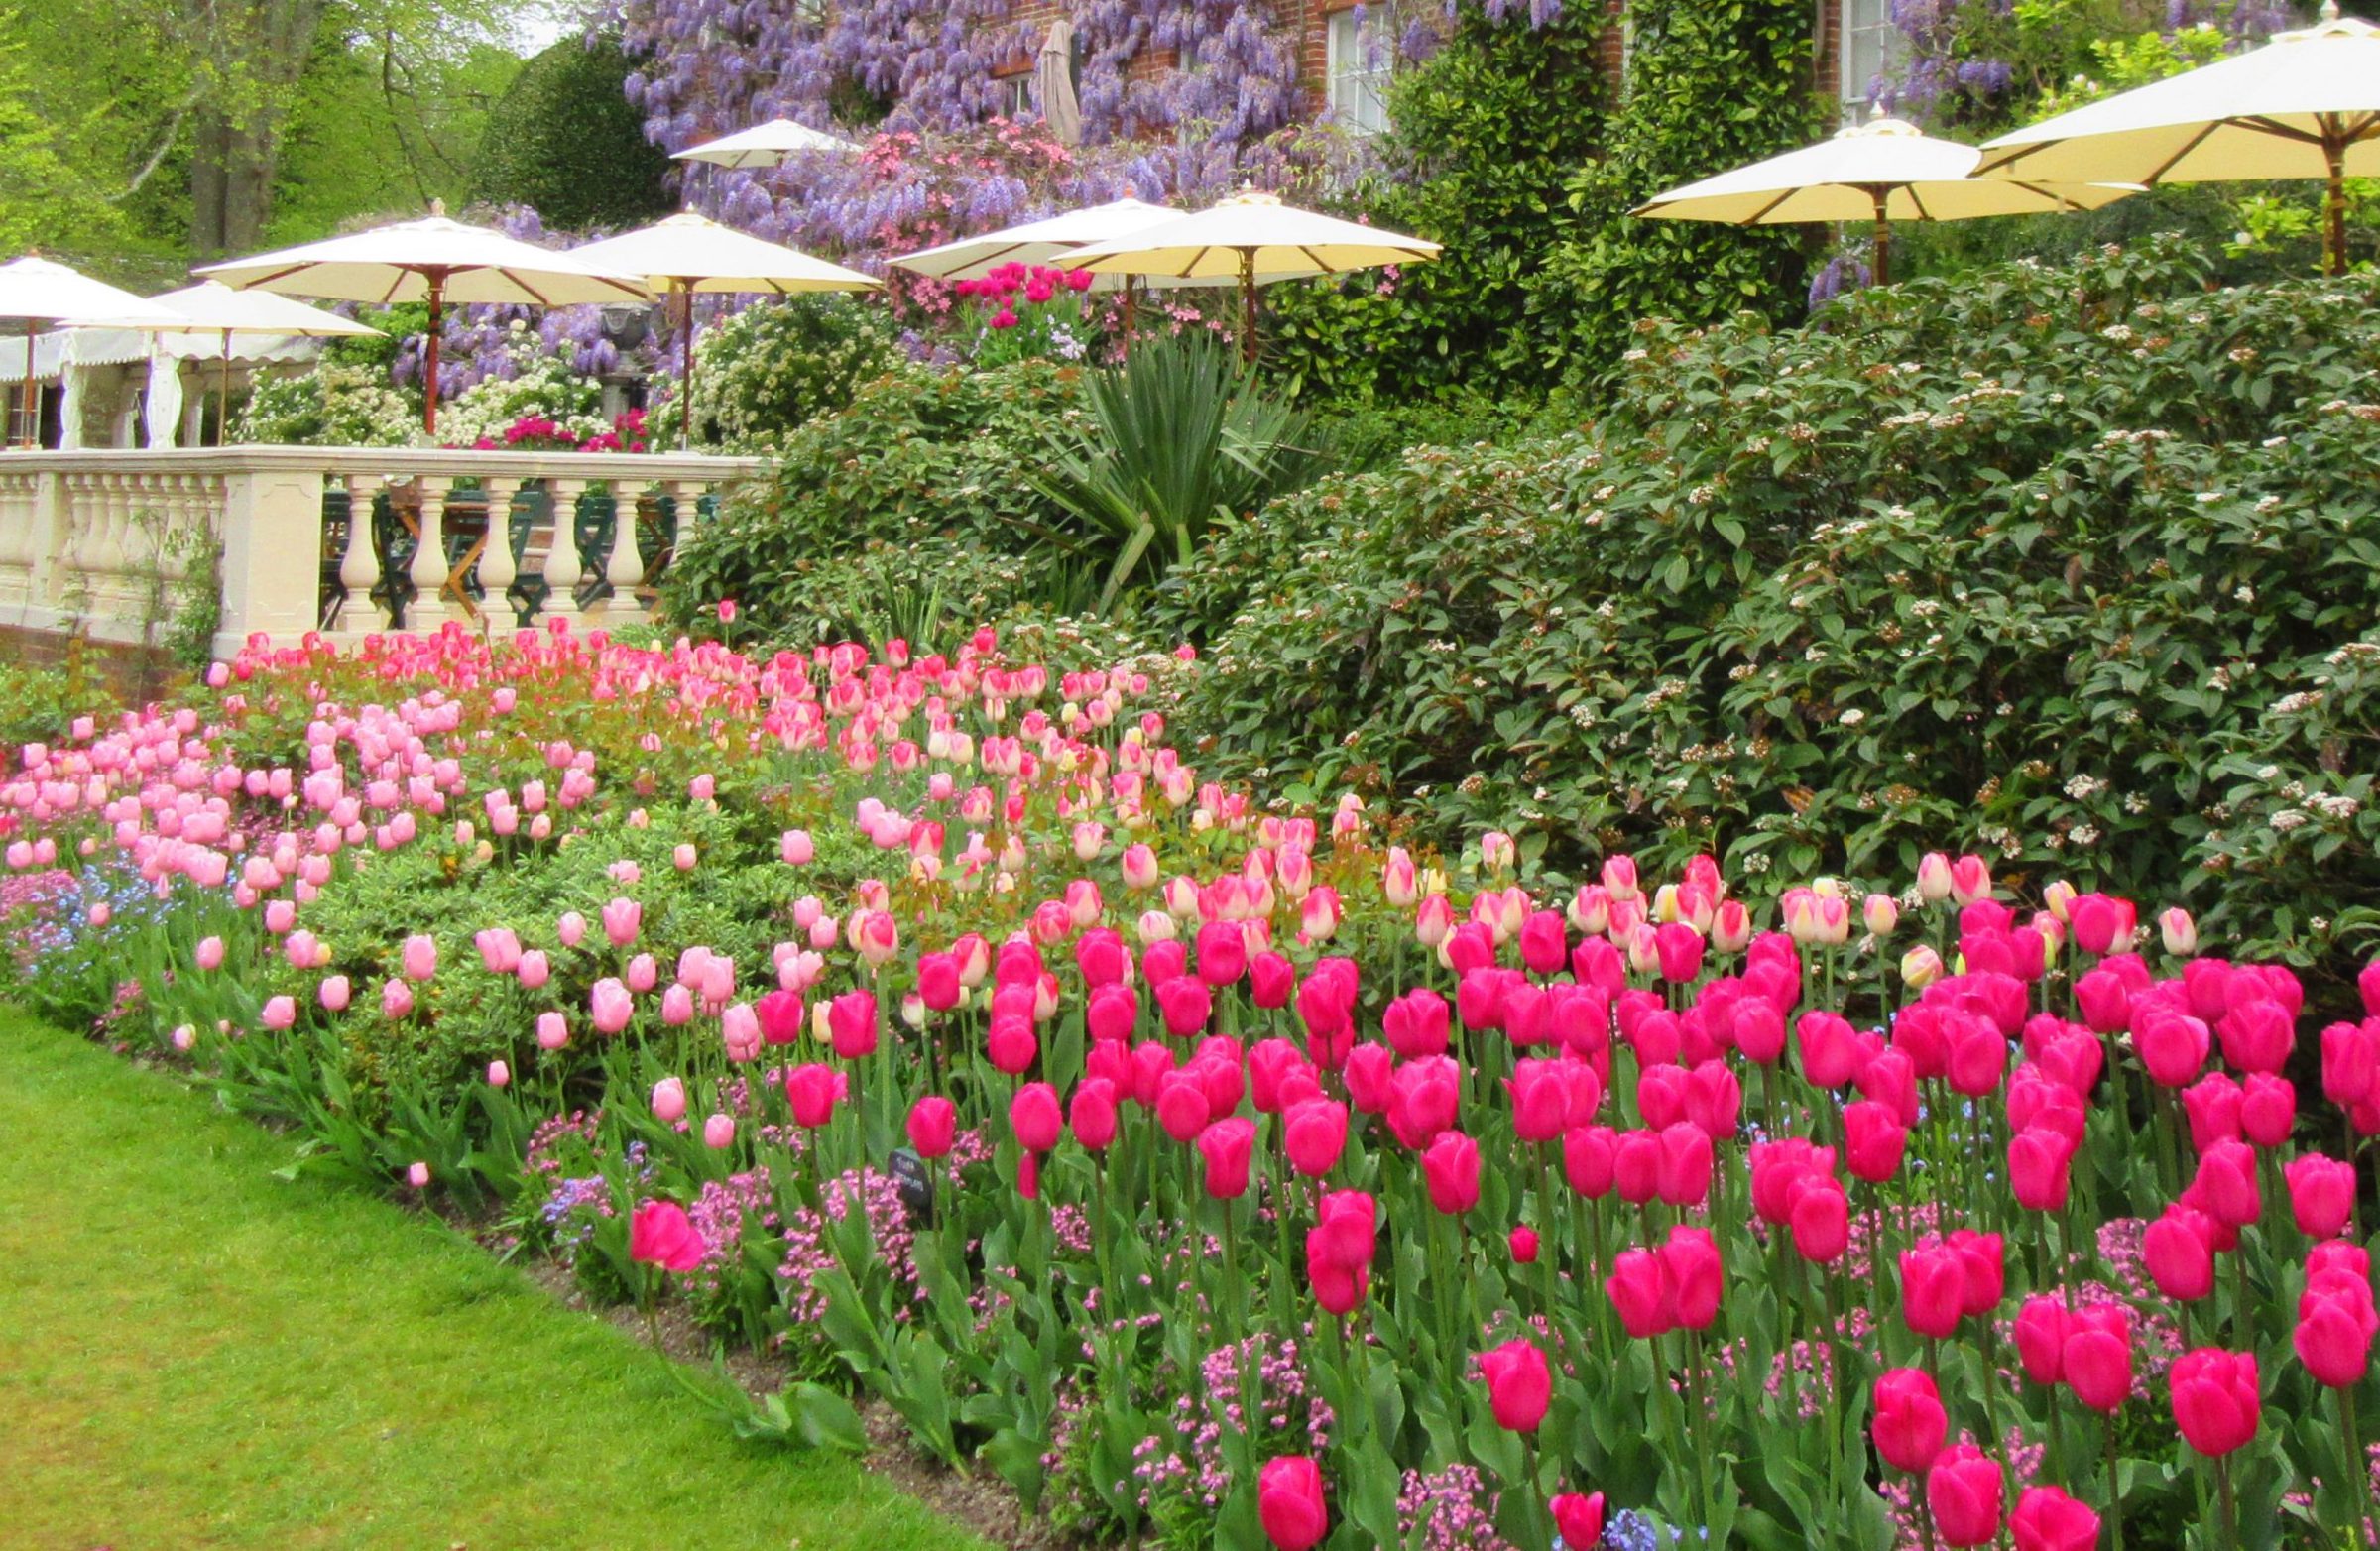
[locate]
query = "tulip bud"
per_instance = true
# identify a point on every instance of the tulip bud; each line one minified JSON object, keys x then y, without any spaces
{"x":2180,"y":932}
{"x":1921,"y":966}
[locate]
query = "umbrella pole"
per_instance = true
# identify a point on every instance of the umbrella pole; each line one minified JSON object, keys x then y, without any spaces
{"x":223,"y":395}
{"x":28,"y":423}
{"x":1248,"y":305}
{"x":437,"y":326}
{"x":1131,"y":308}
{"x":2334,"y":209}
{"x":685,"y":397}
{"x":1883,"y":256}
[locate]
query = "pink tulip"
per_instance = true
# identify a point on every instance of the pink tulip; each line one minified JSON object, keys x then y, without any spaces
{"x":420,"y":958}
{"x":718,"y":1131}
{"x":210,"y":953}
{"x":668,"y":1101}
{"x":622,"y":919}
{"x":336,"y":993}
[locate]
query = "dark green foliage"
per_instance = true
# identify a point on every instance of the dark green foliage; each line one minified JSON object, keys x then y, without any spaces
{"x":1711,"y":86}
{"x":565,"y":140}
{"x":1526,"y":170}
{"x":1488,"y":130}
{"x":2073,"y":567}
{"x":1364,"y":437}
{"x":912,"y":506}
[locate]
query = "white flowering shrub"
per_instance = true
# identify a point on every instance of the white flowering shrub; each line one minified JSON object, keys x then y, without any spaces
{"x":775,"y":365}
{"x":545,"y":393}
{"x":336,"y":404}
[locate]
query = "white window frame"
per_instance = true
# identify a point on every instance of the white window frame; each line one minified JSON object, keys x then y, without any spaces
{"x":1355,"y":70}
{"x":1865,"y":50}
{"x":1015,"y":96}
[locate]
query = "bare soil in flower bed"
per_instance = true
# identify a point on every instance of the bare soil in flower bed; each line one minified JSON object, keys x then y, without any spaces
{"x":983,"y":1503}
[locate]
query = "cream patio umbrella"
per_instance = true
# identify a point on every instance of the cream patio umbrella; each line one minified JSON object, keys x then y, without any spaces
{"x":1883,"y":170}
{"x":432,"y":260}
{"x":1047,"y":241}
{"x":762,"y":145}
{"x":35,"y":292}
{"x":2304,"y":104}
{"x":1252,"y":236}
{"x":214,"y":307}
{"x":688,"y":253}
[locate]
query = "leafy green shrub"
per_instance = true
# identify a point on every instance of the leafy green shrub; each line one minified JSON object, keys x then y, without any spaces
{"x":1365,"y":436}
{"x":777,"y":365}
{"x":39,"y":704}
{"x":916,"y":503}
{"x":2047,"y":562}
{"x":1486,"y":131}
{"x":565,"y":140}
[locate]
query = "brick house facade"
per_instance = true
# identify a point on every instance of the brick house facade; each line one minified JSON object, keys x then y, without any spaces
{"x":1329,"y":54}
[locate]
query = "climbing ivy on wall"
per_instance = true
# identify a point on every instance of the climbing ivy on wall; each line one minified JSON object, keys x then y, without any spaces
{"x":1486,"y":132}
{"x":1710,"y":87}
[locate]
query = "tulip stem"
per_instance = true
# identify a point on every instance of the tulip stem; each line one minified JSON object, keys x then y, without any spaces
{"x":2240,"y":1320}
{"x":2115,"y":1503}
{"x":1793,"y":1385}
{"x":2358,"y":1479}
{"x":2222,"y":1492}
{"x":1697,"y":1424}
{"x":2057,"y":1438}
{"x":1991,"y":1408}
{"x":1547,"y":1252}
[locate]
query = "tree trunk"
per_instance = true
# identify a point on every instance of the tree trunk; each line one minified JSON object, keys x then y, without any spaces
{"x":259,"y":48}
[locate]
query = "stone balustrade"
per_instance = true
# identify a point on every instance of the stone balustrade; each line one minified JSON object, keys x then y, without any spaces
{"x":342,"y":540}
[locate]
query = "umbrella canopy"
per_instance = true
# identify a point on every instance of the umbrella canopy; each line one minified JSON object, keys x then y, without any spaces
{"x":33,"y":292}
{"x":763,"y":144}
{"x":432,"y":260}
{"x":35,"y":289}
{"x":688,"y":253}
{"x":2304,"y":104}
{"x":1883,"y":170}
{"x":216,"y":308}
{"x":1053,"y":73}
{"x":1046,"y":241}
{"x":1253,"y":236}
{"x":1251,"y":231}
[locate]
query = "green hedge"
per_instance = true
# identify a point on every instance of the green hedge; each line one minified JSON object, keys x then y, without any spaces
{"x":908,"y":514}
{"x":2077,"y":566}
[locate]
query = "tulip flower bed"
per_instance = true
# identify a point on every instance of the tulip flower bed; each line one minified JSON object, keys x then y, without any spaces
{"x":1219,"y":1174}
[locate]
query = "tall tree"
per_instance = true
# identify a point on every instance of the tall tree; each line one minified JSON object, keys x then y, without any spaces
{"x":249,"y":56}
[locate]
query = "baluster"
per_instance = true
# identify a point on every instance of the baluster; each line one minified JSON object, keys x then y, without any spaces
{"x":428,"y":610}
{"x":496,"y":569}
{"x":359,"y":562}
{"x":625,"y":572}
{"x":677,"y":511}
{"x":563,"y":571}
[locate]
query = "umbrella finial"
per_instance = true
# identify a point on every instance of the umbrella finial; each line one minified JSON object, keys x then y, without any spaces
{"x":437,"y":208}
{"x":2329,"y":10}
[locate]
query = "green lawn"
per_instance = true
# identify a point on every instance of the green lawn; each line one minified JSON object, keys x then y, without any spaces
{"x":193,"y":1353}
